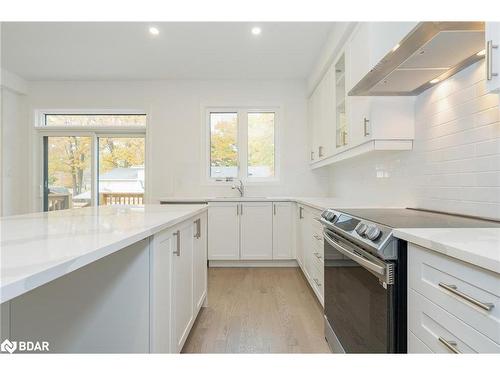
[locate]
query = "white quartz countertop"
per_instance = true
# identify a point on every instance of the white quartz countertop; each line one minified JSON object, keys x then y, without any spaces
{"x":38,"y":248}
{"x":478,"y":246}
{"x":317,"y":203}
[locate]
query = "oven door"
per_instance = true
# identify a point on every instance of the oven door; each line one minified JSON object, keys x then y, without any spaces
{"x":359,"y":298}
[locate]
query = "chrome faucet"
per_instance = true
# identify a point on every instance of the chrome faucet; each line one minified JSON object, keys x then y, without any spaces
{"x":239,"y":187}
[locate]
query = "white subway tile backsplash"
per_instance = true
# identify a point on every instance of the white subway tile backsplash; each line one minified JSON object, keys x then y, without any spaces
{"x":455,"y":163}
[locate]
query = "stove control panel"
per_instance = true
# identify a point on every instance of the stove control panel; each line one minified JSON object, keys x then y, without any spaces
{"x":328,"y":216}
{"x":373,"y":235}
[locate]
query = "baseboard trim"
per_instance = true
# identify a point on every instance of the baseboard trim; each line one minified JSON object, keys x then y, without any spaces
{"x":253,"y":263}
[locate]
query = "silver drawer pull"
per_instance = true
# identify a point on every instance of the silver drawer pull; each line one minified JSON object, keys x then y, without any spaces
{"x":453,"y":289}
{"x":317,"y":282}
{"x":451,"y":345}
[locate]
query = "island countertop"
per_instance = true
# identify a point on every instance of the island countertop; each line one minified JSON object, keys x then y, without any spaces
{"x":40,"y":247}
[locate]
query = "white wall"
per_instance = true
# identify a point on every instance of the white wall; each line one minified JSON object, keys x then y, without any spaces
{"x":175,"y":127}
{"x":14,"y":143}
{"x":455,"y":163}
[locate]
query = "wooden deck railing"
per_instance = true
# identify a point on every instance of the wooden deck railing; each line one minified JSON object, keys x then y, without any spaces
{"x":108,"y":199}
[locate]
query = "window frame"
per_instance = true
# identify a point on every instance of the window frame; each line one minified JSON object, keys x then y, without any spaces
{"x":242,"y":139}
{"x":41,"y":131}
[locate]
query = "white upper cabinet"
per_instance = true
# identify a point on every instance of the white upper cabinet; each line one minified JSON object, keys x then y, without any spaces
{"x":343,"y":126}
{"x":492,"y":45}
{"x":283,"y":244}
{"x":321,"y":117}
{"x":370,"y":42}
{"x":224,"y":231}
{"x":256,"y":231}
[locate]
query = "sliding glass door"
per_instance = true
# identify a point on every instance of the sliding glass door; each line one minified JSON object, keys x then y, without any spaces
{"x":83,"y":170}
{"x":121,"y":170}
{"x":67,"y":172}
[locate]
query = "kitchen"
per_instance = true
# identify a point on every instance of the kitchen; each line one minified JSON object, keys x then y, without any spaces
{"x":250,"y":187}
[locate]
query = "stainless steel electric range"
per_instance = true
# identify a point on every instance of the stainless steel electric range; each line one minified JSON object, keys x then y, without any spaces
{"x":365,"y":275}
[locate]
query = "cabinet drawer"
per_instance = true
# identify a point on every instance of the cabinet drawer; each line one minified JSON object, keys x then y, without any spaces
{"x":317,"y":278}
{"x":416,"y":346}
{"x":452,"y":284}
{"x":437,"y":328}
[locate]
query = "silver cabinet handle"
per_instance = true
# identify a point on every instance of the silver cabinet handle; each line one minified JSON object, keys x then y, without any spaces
{"x":237,"y":210}
{"x":178,"y":251}
{"x":241,"y":209}
{"x":301,"y":209}
{"x":451,"y":345}
{"x":312,"y":155}
{"x":320,"y":151}
{"x":365,"y":126}
{"x":453,"y":289}
{"x":198,"y":228}
{"x":274,"y":209}
{"x":489,"y":60}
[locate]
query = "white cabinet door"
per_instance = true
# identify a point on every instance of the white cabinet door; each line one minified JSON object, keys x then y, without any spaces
{"x":283,"y":230}
{"x":200,"y":261}
{"x":304,"y":236}
{"x":359,"y":55}
{"x":256,"y":231}
{"x":300,"y":225}
{"x":182,"y":284}
{"x":160,"y":258}
{"x":492,"y":34}
{"x":223,"y":231}
{"x":326,"y":145}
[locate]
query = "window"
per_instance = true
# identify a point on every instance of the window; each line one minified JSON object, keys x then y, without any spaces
{"x":91,"y":120}
{"x":223,"y":145}
{"x":261,"y":145}
{"x":242,"y":144}
{"x":84,"y":166}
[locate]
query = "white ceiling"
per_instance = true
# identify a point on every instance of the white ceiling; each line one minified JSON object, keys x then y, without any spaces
{"x":126,"y":50}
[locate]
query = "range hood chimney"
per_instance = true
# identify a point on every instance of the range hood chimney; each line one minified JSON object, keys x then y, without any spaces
{"x":430,"y":53}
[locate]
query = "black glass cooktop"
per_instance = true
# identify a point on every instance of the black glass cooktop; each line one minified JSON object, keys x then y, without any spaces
{"x":412,"y":218}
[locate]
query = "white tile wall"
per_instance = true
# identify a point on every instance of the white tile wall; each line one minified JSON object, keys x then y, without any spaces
{"x":455,"y":163}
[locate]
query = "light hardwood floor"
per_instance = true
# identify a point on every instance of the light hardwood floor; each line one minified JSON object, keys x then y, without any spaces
{"x":258,"y":310}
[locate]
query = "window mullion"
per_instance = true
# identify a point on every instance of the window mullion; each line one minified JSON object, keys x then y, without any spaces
{"x":242,"y":144}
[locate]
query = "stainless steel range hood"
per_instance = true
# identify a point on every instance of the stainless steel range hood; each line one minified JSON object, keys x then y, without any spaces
{"x":432,"y":51}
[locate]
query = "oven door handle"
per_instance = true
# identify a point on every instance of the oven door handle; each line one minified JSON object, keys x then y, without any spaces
{"x":377,"y":269}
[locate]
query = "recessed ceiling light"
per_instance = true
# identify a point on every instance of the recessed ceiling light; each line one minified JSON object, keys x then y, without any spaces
{"x":435,"y":80}
{"x":256,"y":30}
{"x":481,"y":53}
{"x":154,"y":30}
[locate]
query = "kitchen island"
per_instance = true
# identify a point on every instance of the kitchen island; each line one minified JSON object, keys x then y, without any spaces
{"x":104,"y":279}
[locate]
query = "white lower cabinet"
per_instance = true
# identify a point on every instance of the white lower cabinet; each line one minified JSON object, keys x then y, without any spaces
{"x":310,"y":249}
{"x":200,"y":261}
{"x":256,"y":228}
{"x":303,"y":235}
{"x":182,"y":306}
{"x":178,"y":283}
{"x":283,"y":230}
{"x":250,"y":231}
{"x":452,"y":305}
{"x":224,"y":231}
